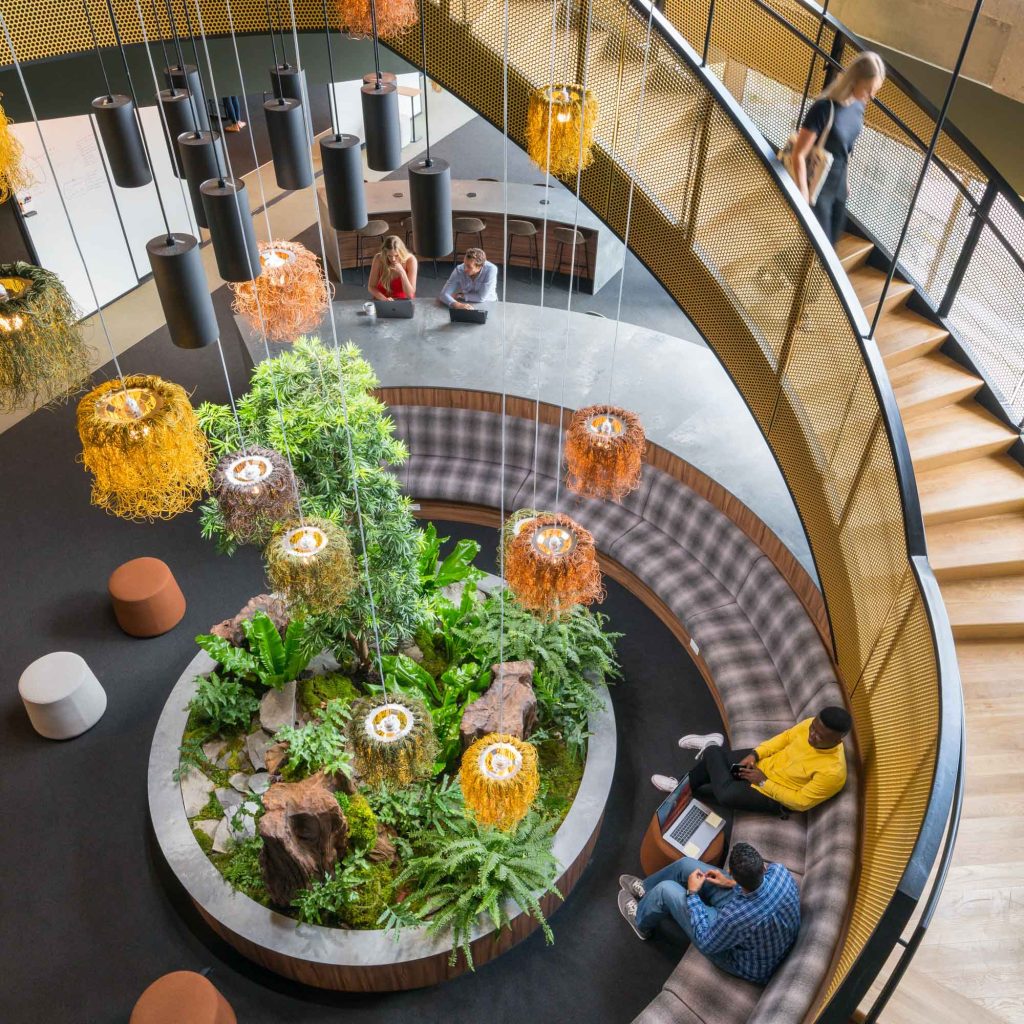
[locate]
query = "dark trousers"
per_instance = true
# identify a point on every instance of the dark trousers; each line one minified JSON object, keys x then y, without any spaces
{"x":232,"y":109}
{"x":712,"y":773}
{"x":830,"y":209}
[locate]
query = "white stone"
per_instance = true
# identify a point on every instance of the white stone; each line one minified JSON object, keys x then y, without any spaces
{"x":256,"y":744}
{"x":212,"y":749}
{"x":242,"y":823}
{"x":222,"y":838}
{"x":240,"y":781}
{"x":229,"y":798}
{"x":195,"y":792}
{"x":277,"y":709}
{"x":61,"y":695}
{"x":260,"y":782}
{"x":207,"y":825}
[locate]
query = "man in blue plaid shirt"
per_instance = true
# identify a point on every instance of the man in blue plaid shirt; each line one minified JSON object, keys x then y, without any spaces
{"x":744,"y":922}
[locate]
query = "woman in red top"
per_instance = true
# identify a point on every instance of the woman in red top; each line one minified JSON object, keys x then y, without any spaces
{"x":393,"y":271}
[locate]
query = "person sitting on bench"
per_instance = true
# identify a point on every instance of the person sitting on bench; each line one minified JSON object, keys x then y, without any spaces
{"x":794,"y":771}
{"x":744,"y":922}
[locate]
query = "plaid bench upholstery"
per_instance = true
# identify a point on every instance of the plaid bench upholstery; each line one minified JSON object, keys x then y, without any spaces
{"x":769,"y":667}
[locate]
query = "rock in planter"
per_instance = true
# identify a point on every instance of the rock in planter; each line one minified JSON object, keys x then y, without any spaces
{"x":510,"y":697}
{"x":260,"y":782}
{"x":240,"y":781}
{"x":242,"y":822}
{"x":412,"y":651}
{"x":229,"y":798}
{"x":277,"y":709}
{"x":275,"y":607}
{"x":274,"y":755}
{"x":195,"y":792}
{"x":256,"y":746}
{"x":304,"y":835}
{"x":207,"y":825}
{"x":212,"y":749}
{"x":383,"y":848}
{"x":222,"y":839}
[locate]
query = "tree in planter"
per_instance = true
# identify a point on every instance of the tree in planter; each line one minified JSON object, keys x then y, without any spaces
{"x":306,"y":381}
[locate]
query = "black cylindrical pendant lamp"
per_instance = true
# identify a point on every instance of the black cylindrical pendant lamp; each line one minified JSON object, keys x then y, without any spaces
{"x":201,"y":162}
{"x":186,"y":78}
{"x":288,"y":81}
{"x":231,"y":231}
{"x":381,"y":125}
{"x":430,"y":195}
{"x":286,"y":127}
{"x":184,"y":294}
{"x":177,"y":113}
{"x":122,"y":140}
{"x":343,"y":182}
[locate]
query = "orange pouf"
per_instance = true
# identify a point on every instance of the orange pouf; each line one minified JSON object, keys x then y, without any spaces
{"x":146,"y":598}
{"x":181,"y":997}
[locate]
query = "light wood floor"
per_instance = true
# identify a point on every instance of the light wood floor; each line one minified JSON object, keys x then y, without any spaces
{"x":970,"y":967}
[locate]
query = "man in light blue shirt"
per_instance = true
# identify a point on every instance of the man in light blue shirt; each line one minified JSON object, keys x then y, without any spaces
{"x":474,"y":280}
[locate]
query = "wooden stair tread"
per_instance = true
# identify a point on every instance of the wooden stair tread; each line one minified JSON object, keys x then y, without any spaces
{"x":988,"y":607}
{"x":954,"y":433}
{"x":853,"y":251}
{"x":867,"y":283}
{"x":990,"y":667}
{"x":968,"y":490}
{"x":988,"y":546}
{"x":902,"y":335}
{"x":931,"y":381}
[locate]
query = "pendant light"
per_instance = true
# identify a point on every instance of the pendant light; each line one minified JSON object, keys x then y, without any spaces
{"x":144,"y":447}
{"x":430,"y":184}
{"x":499,"y":780}
{"x":604,"y":450}
{"x":560,"y":124}
{"x":392,"y":739}
{"x":43,"y":356}
{"x":256,"y":490}
{"x":386,"y":18}
{"x":13,"y":174}
{"x":289,"y":298}
{"x":342,"y":161}
{"x":202,"y":154}
{"x":118,"y":127}
{"x":310,"y":562}
{"x":182,"y":77}
{"x":551,"y":565}
{"x":381,"y":125}
{"x":226,"y":204}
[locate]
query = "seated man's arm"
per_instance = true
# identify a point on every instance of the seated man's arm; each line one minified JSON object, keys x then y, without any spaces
{"x":820,"y":788}
{"x":448,"y":291}
{"x":775,"y":744}
{"x":710,"y":937}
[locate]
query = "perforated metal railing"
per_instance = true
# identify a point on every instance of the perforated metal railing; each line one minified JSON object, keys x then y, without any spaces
{"x":965,"y":242}
{"x":721,"y":227}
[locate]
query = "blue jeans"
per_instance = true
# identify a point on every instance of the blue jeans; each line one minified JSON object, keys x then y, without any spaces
{"x":666,"y":897}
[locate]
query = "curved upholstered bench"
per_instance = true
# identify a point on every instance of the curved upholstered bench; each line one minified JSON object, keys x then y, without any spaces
{"x":761,"y":653}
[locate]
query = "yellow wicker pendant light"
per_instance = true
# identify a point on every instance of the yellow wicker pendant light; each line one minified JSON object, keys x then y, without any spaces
{"x":392,"y":738}
{"x":14,"y":175}
{"x":144,"y":447}
{"x":393,"y":17}
{"x":311,"y":563}
{"x":563,"y":112}
{"x":551,"y":565}
{"x":255,"y":489}
{"x":499,"y":779}
{"x":289,"y":298}
{"x":42,"y":354}
{"x":604,"y":450}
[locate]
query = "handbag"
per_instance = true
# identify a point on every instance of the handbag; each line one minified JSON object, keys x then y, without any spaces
{"x":819,"y":160}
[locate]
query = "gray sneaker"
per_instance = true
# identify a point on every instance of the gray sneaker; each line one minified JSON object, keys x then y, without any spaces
{"x":627,"y":908}
{"x":633,"y":885}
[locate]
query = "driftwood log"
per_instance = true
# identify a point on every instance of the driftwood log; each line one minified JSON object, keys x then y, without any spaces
{"x":509,"y":705}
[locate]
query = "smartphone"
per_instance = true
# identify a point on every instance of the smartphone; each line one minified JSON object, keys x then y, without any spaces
{"x":734,"y":769}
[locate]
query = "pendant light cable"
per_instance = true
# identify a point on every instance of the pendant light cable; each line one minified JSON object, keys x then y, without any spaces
{"x":376,"y":42}
{"x":160,"y":33}
{"x":572,"y":257}
{"x":504,"y":318}
{"x":629,"y":204}
{"x":60,"y":195}
{"x":275,"y":79}
{"x":96,"y":46}
{"x":423,"y":54}
{"x":181,"y":67}
{"x":353,"y":469}
{"x":332,"y":100}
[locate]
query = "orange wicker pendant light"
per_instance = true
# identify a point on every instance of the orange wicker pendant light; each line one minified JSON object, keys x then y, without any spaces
{"x":393,"y":17}
{"x":604,"y":450}
{"x":551,"y":565}
{"x":289,"y":298}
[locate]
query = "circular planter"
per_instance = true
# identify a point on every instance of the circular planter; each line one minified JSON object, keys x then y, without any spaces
{"x":333,"y":958}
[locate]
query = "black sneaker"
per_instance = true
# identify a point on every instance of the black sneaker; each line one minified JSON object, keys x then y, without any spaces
{"x":627,"y":908}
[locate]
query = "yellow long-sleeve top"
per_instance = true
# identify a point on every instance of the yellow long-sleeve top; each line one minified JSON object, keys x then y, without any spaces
{"x":798,"y":775}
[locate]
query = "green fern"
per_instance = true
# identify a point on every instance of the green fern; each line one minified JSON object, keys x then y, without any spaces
{"x":224,"y":703}
{"x":320,"y":744}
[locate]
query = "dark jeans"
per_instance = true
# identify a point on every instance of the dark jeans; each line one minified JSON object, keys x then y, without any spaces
{"x":830,"y":209}
{"x":232,"y":109}
{"x":712,"y":773}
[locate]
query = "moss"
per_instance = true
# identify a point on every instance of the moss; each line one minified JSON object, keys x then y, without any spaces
{"x":205,"y":842}
{"x":211,"y":812}
{"x":560,"y":775}
{"x":362,"y":822}
{"x":432,"y":646}
{"x":372,"y":898}
{"x":240,"y":868}
{"x":318,"y":690}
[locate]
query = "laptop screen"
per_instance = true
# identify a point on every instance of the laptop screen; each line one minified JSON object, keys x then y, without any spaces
{"x":672,"y":806}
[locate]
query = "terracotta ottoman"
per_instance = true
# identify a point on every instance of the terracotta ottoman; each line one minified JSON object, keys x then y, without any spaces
{"x":182,"y":997}
{"x":146,"y":598}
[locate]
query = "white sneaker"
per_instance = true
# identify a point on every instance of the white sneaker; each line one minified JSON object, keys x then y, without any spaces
{"x":664,"y":782}
{"x":695,"y":741}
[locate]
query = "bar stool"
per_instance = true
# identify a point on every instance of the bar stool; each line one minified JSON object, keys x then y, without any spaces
{"x":528,"y":230}
{"x":468,"y":226}
{"x":373,"y":229}
{"x":407,"y":232}
{"x":570,"y":236}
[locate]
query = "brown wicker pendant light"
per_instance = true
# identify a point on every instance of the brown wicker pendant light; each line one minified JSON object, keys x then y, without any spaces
{"x":255,"y":489}
{"x":604,"y":450}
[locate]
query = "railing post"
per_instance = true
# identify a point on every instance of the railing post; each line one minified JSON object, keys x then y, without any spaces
{"x":814,"y":57}
{"x":939,"y":122}
{"x":978,"y":217}
{"x":707,"y":35}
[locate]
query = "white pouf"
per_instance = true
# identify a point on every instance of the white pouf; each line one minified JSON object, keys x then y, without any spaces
{"x":61,"y":695}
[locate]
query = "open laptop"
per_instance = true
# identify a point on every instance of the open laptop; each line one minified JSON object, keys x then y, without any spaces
{"x":467,"y":316}
{"x":687,"y":824}
{"x":396,"y":309}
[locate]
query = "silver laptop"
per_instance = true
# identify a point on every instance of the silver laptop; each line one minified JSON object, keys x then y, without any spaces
{"x":688,"y":824}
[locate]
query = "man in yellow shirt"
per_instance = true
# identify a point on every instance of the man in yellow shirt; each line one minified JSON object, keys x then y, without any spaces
{"x":794,"y":771}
